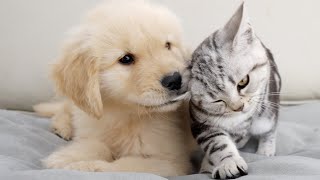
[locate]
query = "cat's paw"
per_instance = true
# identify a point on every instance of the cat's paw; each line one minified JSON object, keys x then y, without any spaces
{"x":230,"y":168}
{"x":90,"y":166}
{"x":267,"y":148}
{"x":266,"y":151}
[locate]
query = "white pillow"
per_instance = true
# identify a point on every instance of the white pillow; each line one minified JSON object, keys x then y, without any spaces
{"x":31,"y":33}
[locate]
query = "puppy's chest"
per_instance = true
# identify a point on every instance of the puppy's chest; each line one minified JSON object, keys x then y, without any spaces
{"x":136,"y":137}
{"x":124,"y":138}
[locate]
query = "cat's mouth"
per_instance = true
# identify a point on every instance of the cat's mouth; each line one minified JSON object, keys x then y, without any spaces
{"x":237,"y":112}
{"x":232,"y":113}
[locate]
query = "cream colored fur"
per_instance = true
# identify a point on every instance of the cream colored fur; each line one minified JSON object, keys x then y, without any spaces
{"x":117,"y":111}
{"x":61,"y":114}
{"x":48,"y":109}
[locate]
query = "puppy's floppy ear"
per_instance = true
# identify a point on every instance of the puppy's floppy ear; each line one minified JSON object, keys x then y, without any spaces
{"x":76,"y":75}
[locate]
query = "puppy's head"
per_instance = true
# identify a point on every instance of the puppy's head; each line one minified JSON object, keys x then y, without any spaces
{"x":125,"y":53}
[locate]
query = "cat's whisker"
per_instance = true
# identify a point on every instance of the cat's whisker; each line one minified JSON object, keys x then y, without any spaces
{"x":263,"y":94}
{"x":263,"y":109}
{"x":268,"y":104}
{"x":277,"y":93}
{"x":220,"y":118}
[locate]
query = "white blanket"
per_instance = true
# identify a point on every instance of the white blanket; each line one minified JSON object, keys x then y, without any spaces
{"x":25,"y":139}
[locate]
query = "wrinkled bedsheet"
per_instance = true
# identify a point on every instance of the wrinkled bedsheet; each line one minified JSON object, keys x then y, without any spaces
{"x":25,"y":139}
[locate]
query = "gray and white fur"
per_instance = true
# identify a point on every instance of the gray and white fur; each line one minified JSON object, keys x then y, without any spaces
{"x":234,"y":88}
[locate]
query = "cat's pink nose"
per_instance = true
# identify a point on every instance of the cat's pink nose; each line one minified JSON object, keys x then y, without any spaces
{"x":239,"y":109}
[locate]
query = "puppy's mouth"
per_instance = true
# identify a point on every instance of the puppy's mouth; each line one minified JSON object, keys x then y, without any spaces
{"x":174,"y":100}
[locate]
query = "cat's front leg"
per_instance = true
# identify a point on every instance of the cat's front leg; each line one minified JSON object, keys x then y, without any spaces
{"x":206,"y":165}
{"x":222,"y":154}
{"x":241,"y":141}
{"x":267,"y":144}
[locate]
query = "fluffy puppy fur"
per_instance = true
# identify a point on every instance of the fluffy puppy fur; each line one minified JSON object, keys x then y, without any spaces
{"x":123,"y":118}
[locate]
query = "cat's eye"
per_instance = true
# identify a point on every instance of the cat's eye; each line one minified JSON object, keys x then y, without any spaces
{"x":244,"y":82}
{"x":168,"y":45}
{"x":217,"y":101}
{"x":127,"y":59}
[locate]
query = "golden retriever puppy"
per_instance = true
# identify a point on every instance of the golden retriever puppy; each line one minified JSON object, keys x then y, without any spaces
{"x":121,"y":71}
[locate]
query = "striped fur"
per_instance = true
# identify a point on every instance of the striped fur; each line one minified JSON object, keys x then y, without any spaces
{"x":224,"y":114}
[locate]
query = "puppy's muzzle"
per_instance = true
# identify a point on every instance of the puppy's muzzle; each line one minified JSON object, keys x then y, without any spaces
{"x":172,"y":82}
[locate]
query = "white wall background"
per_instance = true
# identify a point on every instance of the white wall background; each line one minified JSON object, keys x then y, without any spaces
{"x":31,"y":32}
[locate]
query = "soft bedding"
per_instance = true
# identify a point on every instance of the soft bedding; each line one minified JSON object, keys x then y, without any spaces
{"x":25,"y":139}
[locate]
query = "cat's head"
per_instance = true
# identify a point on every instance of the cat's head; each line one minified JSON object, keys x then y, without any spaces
{"x":230,"y":69}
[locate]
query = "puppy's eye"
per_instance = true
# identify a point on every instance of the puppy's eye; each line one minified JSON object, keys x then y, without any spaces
{"x":243,"y":83}
{"x":168,"y":45}
{"x":127,"y":59}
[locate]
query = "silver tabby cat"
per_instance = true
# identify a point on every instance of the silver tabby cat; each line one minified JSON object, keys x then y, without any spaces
{"x":234,"y":89}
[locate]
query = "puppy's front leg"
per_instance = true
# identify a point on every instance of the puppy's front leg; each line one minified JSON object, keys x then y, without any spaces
{"x":156,"y":166}
{"x":82,"y":150}
{"x":62,"y":124}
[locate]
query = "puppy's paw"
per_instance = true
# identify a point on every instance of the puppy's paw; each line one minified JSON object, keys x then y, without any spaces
{"x":63,"y":133}
{"x":62,"y":129}
{"x":57,"y":161}
{"x":90,"y":166}
{"x":230,"y":168}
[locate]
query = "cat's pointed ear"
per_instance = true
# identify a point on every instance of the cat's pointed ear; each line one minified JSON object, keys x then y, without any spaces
{"x":238,"y":31}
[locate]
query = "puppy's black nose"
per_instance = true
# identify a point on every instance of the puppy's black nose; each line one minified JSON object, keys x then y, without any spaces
{"x":172,"y":82}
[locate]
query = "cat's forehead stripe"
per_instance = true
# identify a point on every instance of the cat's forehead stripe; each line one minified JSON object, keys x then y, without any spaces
{"x":258,"y":66}
{"x":230,"y":78}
